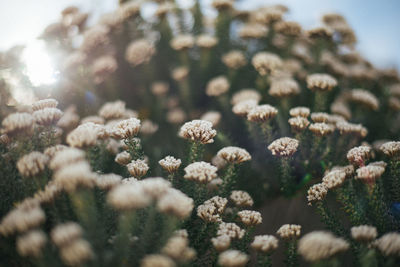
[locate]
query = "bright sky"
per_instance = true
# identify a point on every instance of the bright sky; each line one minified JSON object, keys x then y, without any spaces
{"x":375,"y":22}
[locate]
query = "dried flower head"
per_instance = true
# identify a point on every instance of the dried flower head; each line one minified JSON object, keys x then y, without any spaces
{"x":221,"y":243}
{"x":218,"y":202}
{"x":176,"y":203}
{"x":201,"y":172}
{"x":365,"y":98}
{"x":31,"y":243}
{"x":22,"y":218}
{"x":345,"y":127}
{"x":65,"y":233}
{"x":123,"y":158}
{"x":250,"y":217}
{"x":48,"y":194}
{"x":139,"y":52}
{"x":261,"y":113}
{"x":18,"y":123}
{"x":253,"y":31}
{"x":321,"y":82}
{"x":245,"y":94}
{"x":155,"y":186}
{"x":364,"y":233}
{"x":299,"y":112}
{"x":265,"y":243}
{"x":234,"y":59}
{"x":138,"y":168}
{"x":199,"y":131}
{"x":222,"y":5}
{"x":234,"y":154}
{"x":212,"y":116}
{"x":289,"y":231}
{"x":108,"y":181}
{"x":128,"y":196}
{"x":359,"y":155}
{"x":112,"y":110}
{"x":83,"y":136}
{"x":65,"y":157}
{"x":241,"y":198}
{"x":316,"y":193}
{"x":182,"y":42}
{"x":389,"y":244}
{"x":47,"y":116}
{"x":284,"y":87}
{"x":319,"y":33}
{"x":103,"y":67}
{"x":32,"y":164}
{"x":284,"y":147}
{"x":180,"y":73}
{"x":289,"y":28}
{"x":126,"y":128}
{"x":265,"y":62}
{"x":208,"y":213}
{"x":321,"y":129}
{"x":206,"y":41}
{"x":157,"y":260}
{"x":94,"y":38}
{"x":334,"y":179}
{"x":369,"y":173}
{"x":76,"y":253}
{"x":159,"y":88}
{"x":242,"y":108}
{"x":320,"y":245}
{"x":230,"y":229}
{"x":44,"y":103}
{"x":232,"y":258}
{"x":320,"y":117}
{"x":170,"y":164}
{"x":217,"y":86}
{"x":298,"y":123}
{"x":74,"y":175}
{"x":391,"y":149}
{"x":177,"y":248}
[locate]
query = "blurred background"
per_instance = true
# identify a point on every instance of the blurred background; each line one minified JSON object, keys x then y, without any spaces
{"x":376,"y":22}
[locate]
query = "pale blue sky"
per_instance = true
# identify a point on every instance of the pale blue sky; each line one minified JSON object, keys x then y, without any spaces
{"x":375,"y":22}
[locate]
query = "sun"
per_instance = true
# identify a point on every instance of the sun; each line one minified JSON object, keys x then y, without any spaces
{"x":39,"y":66}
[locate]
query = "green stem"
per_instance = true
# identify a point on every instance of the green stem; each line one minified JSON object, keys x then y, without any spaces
{"x":196,"y":151}
{"x":329,"y":219}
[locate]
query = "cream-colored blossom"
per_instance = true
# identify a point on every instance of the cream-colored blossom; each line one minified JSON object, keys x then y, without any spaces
{"x":217,"y":86}
{"x":128,"y":197}
{"x":139,"y":52}
{"x":32,"y":164}
{"x":265,"y":243}
{"x":250,"y":217}
{"x":319,"y":245}
{"x":363,"y":233}
{"x":261,"y":113}
{"x":199,"y":131}
{"x":201,"y":172}
{"x":284,"y":147}
{"x":233,"y":258}
{"x":138,"y":168}
{"x":265,"y":62}
{"x":234,"y":154}
{"x":170,"y":164}
{"x":321,"y":82}
{"x":241,"y":198}
{"x":289,"y":231}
